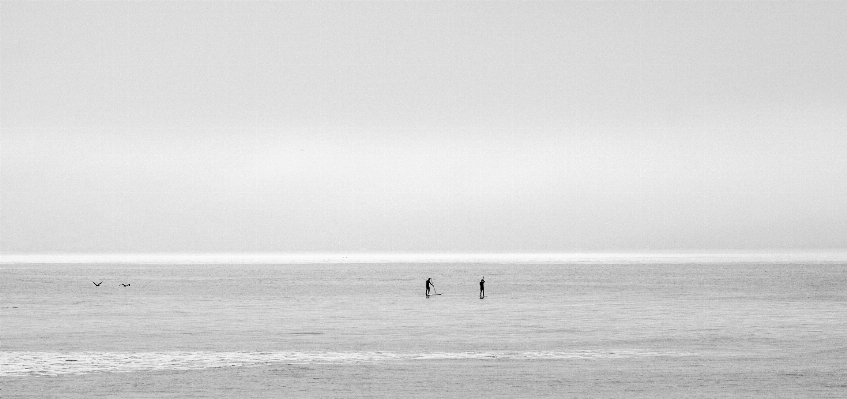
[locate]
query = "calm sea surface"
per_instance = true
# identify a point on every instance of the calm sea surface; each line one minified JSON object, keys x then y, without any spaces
{"x":329,"y":330}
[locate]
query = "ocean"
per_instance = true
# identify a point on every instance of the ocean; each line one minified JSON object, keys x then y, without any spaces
{"x":618,"y":329}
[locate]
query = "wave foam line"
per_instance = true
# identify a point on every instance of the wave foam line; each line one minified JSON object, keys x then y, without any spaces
{"x":58,"y":363}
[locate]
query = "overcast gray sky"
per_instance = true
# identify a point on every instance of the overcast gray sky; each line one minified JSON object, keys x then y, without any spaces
{"x":422,"y":127}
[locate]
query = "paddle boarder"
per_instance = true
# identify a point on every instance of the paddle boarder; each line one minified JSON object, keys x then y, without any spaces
{"x":429,"y":283}
{"x":482,"y":288}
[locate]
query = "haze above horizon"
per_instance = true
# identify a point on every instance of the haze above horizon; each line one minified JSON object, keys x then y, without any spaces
{"x":422,"y":127}
{"x":564,"y":258}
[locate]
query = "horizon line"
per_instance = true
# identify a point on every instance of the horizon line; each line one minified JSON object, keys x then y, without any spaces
{"x":814,"y":256}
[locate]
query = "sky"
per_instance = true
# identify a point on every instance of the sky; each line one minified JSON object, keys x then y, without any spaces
{"x":422,"y":127}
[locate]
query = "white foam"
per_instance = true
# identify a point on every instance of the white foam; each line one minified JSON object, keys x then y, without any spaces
{"x":58,"y":363}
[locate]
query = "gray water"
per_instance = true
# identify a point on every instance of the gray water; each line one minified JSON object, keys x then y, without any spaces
{"x":367,"y":330}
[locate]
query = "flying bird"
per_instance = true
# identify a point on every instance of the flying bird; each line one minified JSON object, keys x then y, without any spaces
{"x":97,"y":284}
{"x":125,"y":285}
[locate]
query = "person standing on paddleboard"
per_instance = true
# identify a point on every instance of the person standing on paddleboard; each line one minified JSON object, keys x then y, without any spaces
{"x":482,"y":288}
{"x":429,"y":283}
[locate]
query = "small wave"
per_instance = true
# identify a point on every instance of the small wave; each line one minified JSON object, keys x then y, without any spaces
{"x":58,"y":363}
